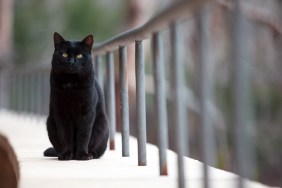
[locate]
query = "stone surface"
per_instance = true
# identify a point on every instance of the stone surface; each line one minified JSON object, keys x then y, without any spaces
{"x":28,"y":136}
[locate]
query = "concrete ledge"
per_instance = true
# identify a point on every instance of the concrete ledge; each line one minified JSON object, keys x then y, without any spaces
{"x":29,"y":138}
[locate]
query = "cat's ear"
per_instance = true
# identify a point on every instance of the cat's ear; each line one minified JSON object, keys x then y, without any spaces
{"x":58,"y":38}
{"x":88,"y":41}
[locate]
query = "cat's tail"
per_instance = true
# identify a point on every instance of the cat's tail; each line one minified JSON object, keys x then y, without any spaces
{"x":50,"y":152}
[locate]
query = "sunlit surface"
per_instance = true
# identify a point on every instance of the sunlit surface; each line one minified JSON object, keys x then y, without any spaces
{"x":29,"y":138}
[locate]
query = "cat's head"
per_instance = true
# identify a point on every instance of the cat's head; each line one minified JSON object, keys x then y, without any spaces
{"x":72,"y":56}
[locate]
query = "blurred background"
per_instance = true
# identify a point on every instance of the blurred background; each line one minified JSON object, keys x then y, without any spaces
{"x":26,"y":47}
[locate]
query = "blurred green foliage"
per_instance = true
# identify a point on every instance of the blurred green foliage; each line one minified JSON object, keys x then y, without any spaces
{"x":36,"y":21}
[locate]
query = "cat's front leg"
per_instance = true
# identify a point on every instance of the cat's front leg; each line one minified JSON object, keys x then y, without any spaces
{"x":65,"y":156}
{"x":83,"y":156}
{"x":66,"y":132}
{"x":83,"y":136}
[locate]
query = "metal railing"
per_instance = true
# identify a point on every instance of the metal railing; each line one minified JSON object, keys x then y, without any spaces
{"x":25,"y":91}
{"x":27,"y":88}
{"x":168,"y":19}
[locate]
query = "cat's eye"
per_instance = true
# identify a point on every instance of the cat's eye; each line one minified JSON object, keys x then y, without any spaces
{"x":79,"y":56}
{"x":65,"y":55}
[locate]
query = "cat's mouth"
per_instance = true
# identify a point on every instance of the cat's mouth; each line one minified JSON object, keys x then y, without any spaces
{"x":67,"y":69}
{"x":72,"y":70}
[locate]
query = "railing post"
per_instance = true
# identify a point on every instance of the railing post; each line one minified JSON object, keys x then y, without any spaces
{"x":32,"y":93}
{"x":38,"y":88}
{"x":178,"y":95}
{"x":17,"y":89}
{"x":205,"y":63}
{"x":242,"y":127}
{"x":39,"y":94}
{"x":124,"y":101}
{"x":25,"y":88}
{"x":160,"y":101}
{"x":141,"y":103}
{"x":46,"y":92}
{"x":13,"y":86}
{"x":42,"y":94}
{"x":111,"y":98}
{"x":4,"y":88}
{"x":20,"y":93}
{"x":99,"y":71}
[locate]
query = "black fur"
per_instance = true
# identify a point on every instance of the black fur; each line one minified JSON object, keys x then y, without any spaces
{"x":77,"y":125}
{"x":50,"y":152}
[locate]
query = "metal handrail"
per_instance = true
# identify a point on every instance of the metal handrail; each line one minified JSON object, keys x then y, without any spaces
{"x":182,"y":10}
{"x":168,"y":18}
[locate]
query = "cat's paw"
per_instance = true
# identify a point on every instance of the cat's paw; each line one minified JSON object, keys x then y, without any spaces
{"x":83,"y":156}
{"x":65,"y":156}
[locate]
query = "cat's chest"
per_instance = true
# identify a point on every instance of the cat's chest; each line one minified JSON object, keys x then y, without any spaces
{"x":69,"y":85}
{"x":74,"y":85}
{"x":74,"y":102}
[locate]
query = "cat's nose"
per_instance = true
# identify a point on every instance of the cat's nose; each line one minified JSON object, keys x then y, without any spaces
{"x":71,"y":61}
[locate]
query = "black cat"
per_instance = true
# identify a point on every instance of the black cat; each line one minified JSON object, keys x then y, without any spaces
{"x":77,"y":125}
